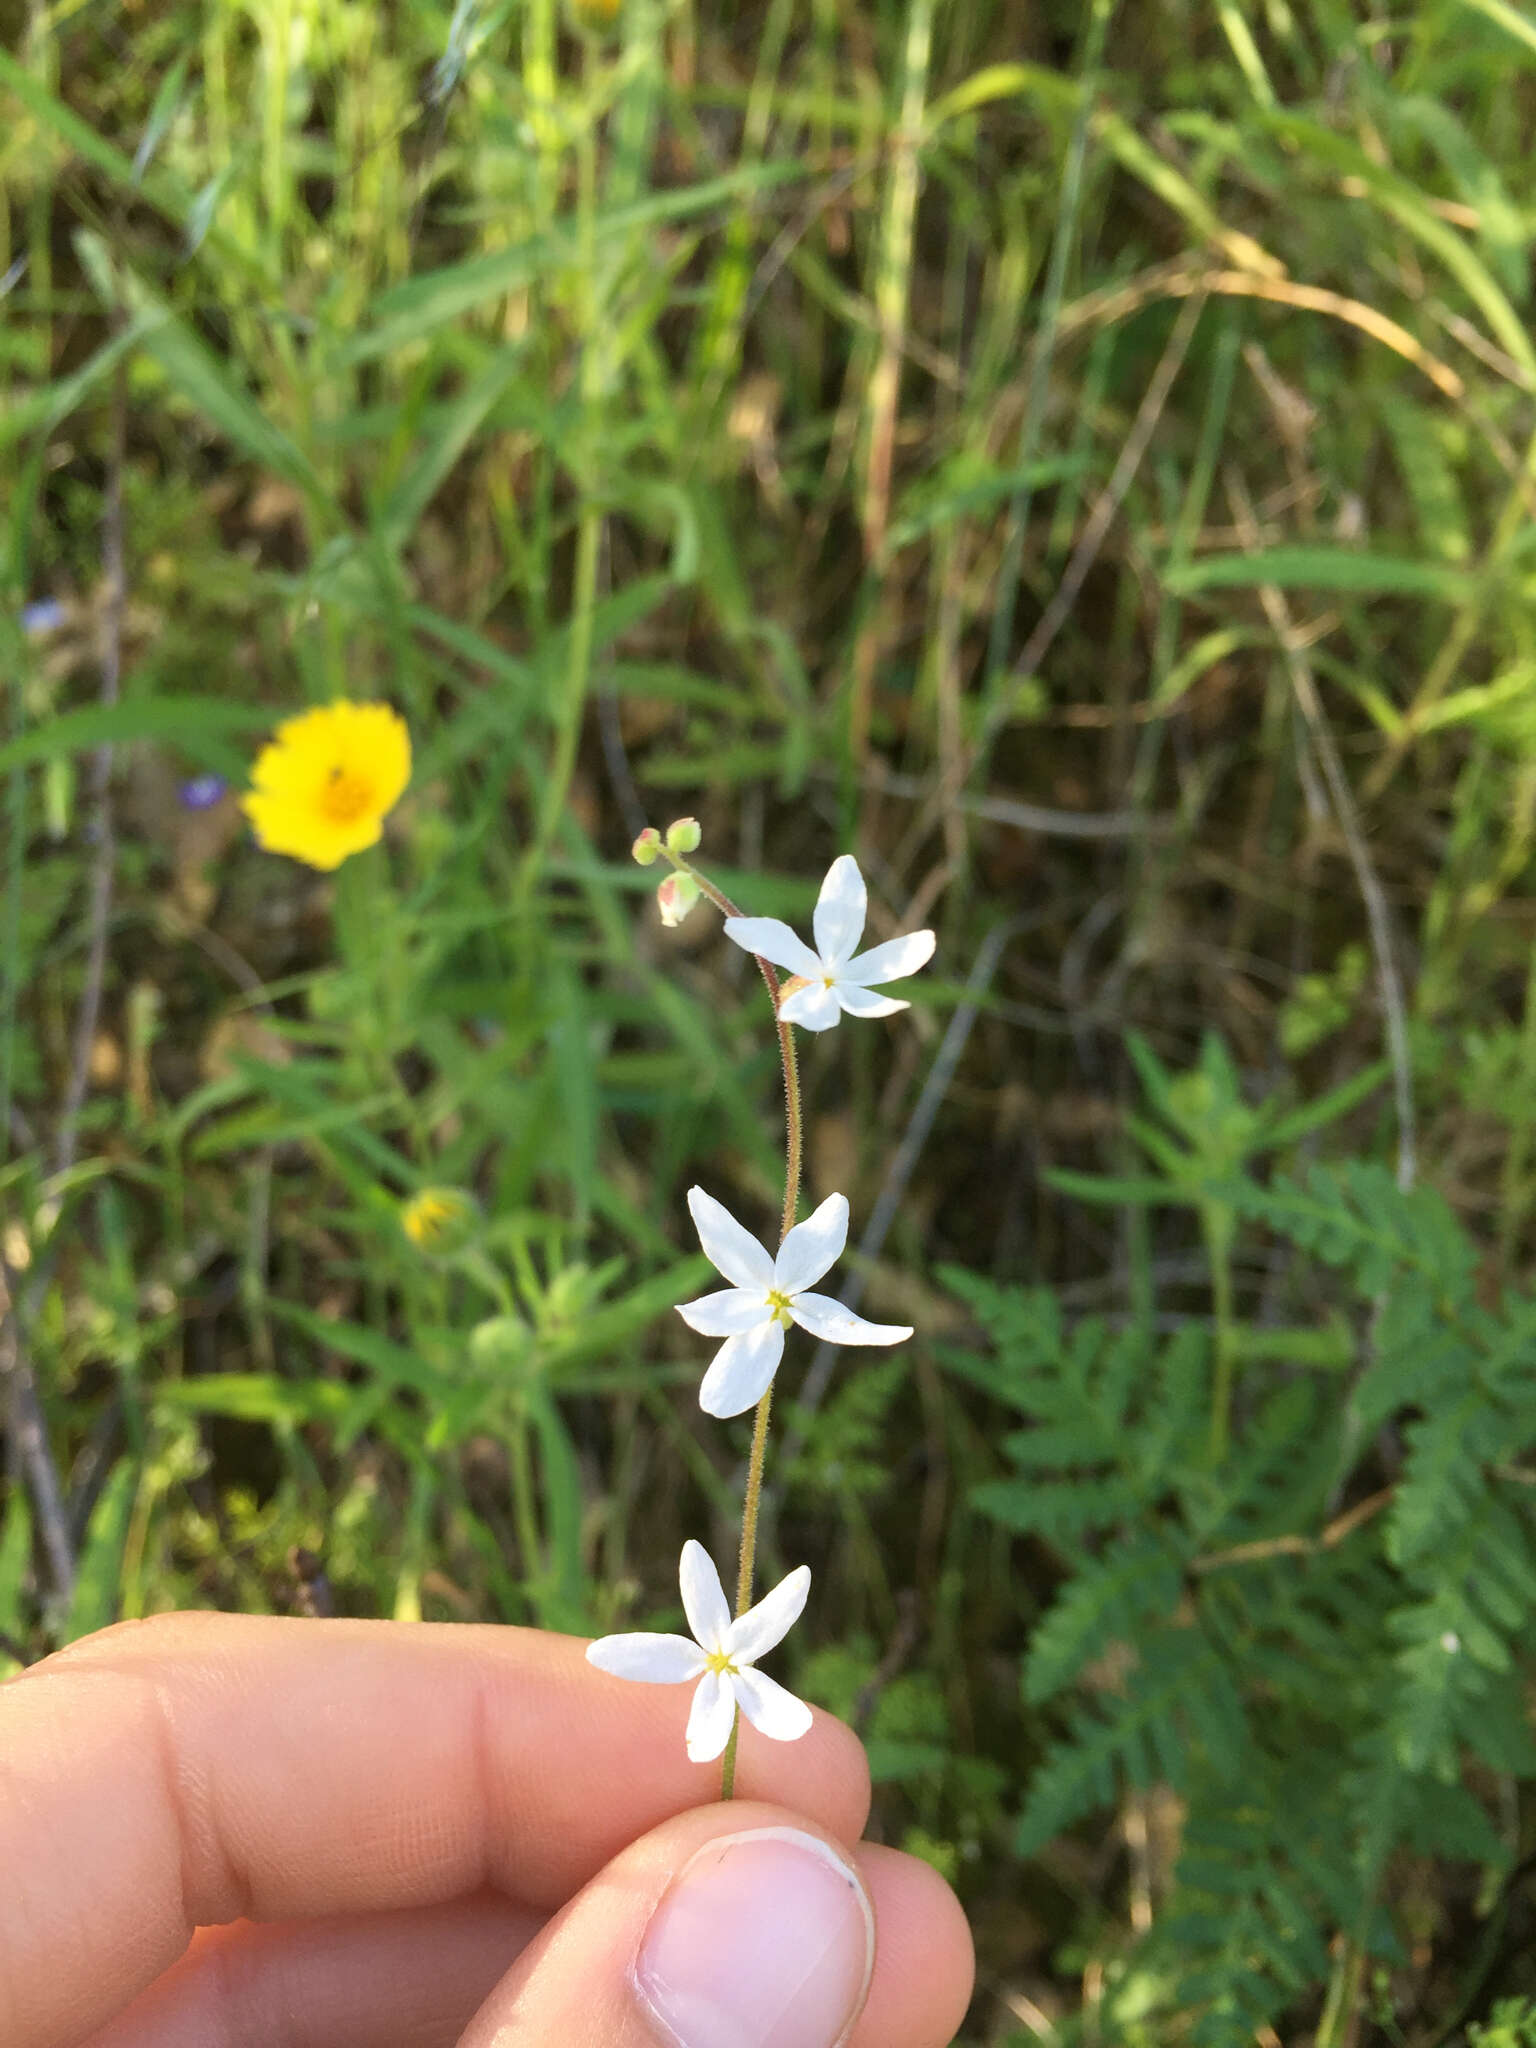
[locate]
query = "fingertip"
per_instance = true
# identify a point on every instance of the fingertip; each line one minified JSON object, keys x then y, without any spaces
{"x":831,"y":1773}
{"x":925,"y":1964}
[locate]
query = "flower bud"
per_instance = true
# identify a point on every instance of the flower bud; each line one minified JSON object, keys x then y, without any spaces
{"x":440,"y":1221}
{"x":683,"y":835}
{"x":647,"y":847}
{"x":676,"y":897}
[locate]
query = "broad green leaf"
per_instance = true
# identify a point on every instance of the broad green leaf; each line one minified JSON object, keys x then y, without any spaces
{"x":194,"y":724}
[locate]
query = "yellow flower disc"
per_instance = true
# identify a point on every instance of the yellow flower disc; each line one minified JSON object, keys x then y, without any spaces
{"x":325,"y":781}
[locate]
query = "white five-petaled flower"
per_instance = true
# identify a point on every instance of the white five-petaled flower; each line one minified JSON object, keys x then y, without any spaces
{"x":721,"y":1657}
{"x":836,"y":978}
{"x":766,"y":1296}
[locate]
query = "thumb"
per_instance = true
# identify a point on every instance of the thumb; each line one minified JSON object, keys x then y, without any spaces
{"x":734,"y":1926}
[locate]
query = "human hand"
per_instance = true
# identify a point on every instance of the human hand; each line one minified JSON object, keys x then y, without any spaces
{"x":220,"y":1830}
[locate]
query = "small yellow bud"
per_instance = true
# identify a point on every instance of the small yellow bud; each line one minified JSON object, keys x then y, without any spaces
{"x":647,"y":847}
{"x":676,"y":897}
{"x":439,"y":1220}
{"x":683,"y":835}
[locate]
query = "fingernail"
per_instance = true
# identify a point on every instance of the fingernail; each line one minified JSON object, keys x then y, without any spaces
{"x":765,"y":1940}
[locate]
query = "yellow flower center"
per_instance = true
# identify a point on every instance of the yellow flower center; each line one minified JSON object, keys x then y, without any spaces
{"x":720,"y":1663}
{"x":778,"y":1305}
{"x":425,"y":1217}
{"x":345,"y":796}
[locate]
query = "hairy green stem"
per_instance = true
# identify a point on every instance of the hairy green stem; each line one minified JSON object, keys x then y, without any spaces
{"x":793,"y":1153}
{"x":747,"y":1563}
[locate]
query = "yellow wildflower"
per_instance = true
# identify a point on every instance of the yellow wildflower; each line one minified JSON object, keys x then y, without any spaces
{"x":438,"y":1219}
{"x":325,"y":780}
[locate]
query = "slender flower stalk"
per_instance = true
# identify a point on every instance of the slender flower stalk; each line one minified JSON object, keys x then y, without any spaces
{"x":767,"y":1294}
{"x":793,"y":1155}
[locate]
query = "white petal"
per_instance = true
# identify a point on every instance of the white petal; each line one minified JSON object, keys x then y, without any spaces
{"x":892,"y":960}
{"x":742,"y":1371}
{"x":771,"y":937}
{"x":813,"y":1008}
{"x":812,"y":1247}
{"x":838,"y":920}
{"x":834,"y":1324}
{"x":766,"y":1625}
{"x":711,"y":1718}
{"x":704,"y":1601}
{"x":729,"y":1248}
{"x":725,"y":1314}
{"x":655,"y":1660}
{"x":770,"y":1708}
{"x":863,"y":1002}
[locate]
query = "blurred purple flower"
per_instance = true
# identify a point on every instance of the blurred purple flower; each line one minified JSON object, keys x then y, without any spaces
{"x":46,"y":616}
{"x":203,"y":792}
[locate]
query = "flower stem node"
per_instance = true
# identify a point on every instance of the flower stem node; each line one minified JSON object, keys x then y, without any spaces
{"x":768,"y":1295}
{"x":720,"y":1656}
{"x":683,"y":835}
{"x":647,"y":848}
{"x":676,"y":897}
{"x":835,"y":980}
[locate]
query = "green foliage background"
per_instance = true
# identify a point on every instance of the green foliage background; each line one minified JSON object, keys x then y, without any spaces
{"x":1084,"y":461}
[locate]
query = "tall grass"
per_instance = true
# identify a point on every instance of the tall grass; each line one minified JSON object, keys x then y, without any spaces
{"x":1084,"y":461}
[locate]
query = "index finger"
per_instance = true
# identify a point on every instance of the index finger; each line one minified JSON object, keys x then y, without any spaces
{"x":197,"y":1769}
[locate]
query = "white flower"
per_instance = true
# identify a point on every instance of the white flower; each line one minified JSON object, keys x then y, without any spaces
{"x":835,"y":977}
{"x":721,"y":1657}
{"x":767,"y":1296}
